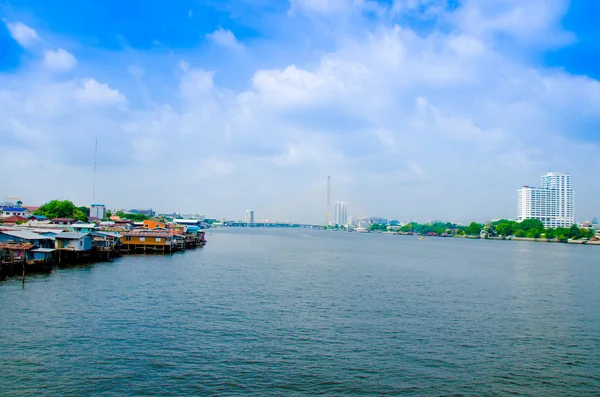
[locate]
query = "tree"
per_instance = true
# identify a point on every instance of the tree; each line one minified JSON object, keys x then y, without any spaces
{"x":528,"y":224}
{"x":108,"y":214}
{"x":519,"y":233}
{"x":19,"y":203}
{"x":57,"y":209}
{"x":474,"y":229}
{"x":533,"y":233}
{"x":378,"y":227}
{"x":85,"y":210}
{"x":574,"y":232}
{"x":121,"y":214}
{"x":80,"y":215}
{"x":138,"y":217}
{"x":550,"y":233}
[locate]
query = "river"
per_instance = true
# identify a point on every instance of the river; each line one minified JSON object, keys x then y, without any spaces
{"x":303,"y":312}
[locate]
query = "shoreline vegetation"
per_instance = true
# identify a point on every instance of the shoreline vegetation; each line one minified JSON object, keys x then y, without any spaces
{"x":527,"y":230}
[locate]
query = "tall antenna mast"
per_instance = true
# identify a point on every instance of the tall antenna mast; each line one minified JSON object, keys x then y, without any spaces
{"x":95,"y":164}
{"x":328,"y":200}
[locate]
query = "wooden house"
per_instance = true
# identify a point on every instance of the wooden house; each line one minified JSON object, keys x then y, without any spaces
{"x":72,"y":241}
{"x":148,"y":240}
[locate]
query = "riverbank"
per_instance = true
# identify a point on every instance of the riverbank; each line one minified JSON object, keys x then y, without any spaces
{"x":511,"y":238}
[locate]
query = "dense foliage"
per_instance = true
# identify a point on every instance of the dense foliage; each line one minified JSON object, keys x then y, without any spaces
{"x":533,"y":228}
{"x":62,"y":209}
{"x":382,"y":227}
{"x":438,"y":228}
{"x":132,"y":217}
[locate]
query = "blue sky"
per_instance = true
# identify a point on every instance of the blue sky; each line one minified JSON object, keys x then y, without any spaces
{"x":423,"y":109}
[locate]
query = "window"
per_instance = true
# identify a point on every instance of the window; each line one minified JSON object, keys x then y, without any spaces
{"x":81,"y":243}
{"x":158,"y":239}
{"x":142,"y":238}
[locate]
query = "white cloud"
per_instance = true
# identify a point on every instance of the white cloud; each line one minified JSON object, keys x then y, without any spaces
{"x":22,"y":34}
{"x":60,"y":59}
{"x":225,"y":38}
{"x":93,"y":92}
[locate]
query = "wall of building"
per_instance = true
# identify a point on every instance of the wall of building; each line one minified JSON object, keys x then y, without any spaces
{"x":146,"y":240}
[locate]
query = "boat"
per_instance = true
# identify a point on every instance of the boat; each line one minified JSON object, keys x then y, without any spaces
{"x":421,"y":238}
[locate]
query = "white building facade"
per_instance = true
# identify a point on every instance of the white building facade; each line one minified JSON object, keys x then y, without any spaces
{"x":553,"y":204}
{"x":340,"y":213}
{"x":249,"y":216}
{"x":98,"y":211}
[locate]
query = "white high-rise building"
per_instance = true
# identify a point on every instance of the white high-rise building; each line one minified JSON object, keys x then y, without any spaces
{"x":343,"y":213}
{"x":553,"y":204}
{"x":249,"y":216}
{"x":340,"y":213}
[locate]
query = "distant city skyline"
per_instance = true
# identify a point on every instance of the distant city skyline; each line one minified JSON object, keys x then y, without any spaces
{"x":417,"y":109}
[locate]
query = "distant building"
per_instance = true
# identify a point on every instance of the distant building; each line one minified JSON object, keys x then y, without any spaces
{"x":14,"y":211}
{"x":148,"y":212}
{"x":98,"y":211}
{"x":378,"y":220}
{"x":552,"y":203}
{"x":192,"y":215}
{"x":340,"y":213}
{"x":249,"y":216}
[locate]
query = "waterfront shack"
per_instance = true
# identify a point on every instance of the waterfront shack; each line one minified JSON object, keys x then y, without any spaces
{"x":81,"y":227}
{"x":73,"y":247}
{"x":148,"y":240}
{"x":42,"y":256}
{"x":72,"y":241}
{"x":26,"y":236}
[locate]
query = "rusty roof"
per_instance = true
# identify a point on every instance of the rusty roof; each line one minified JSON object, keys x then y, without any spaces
{"x":10,"y":246}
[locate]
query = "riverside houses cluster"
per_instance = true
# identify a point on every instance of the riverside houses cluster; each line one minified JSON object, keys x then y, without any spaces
{"x":31,"y":242}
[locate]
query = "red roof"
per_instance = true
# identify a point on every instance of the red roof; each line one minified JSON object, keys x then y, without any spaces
{"x":30,"y":208}
{"x":14,"y":219}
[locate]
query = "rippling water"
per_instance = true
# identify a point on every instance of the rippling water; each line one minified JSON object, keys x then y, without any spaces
{"x":296,"y":312}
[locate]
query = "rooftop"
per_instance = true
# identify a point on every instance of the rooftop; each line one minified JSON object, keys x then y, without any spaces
{"x":71,"y":235}
{"x":63,"y":220}
{"x":25,"y":234}
{"x":23,"y":246}
{"x":43,"y":250}
{"x":14,"y":209}
{"x":14,"y":218}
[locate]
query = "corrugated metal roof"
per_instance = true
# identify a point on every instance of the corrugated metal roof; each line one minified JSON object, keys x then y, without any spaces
{"x":25,"y":234}
{"x":71,"y":235}
{"x":47,"y":250}
{"x":110,"y":234}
